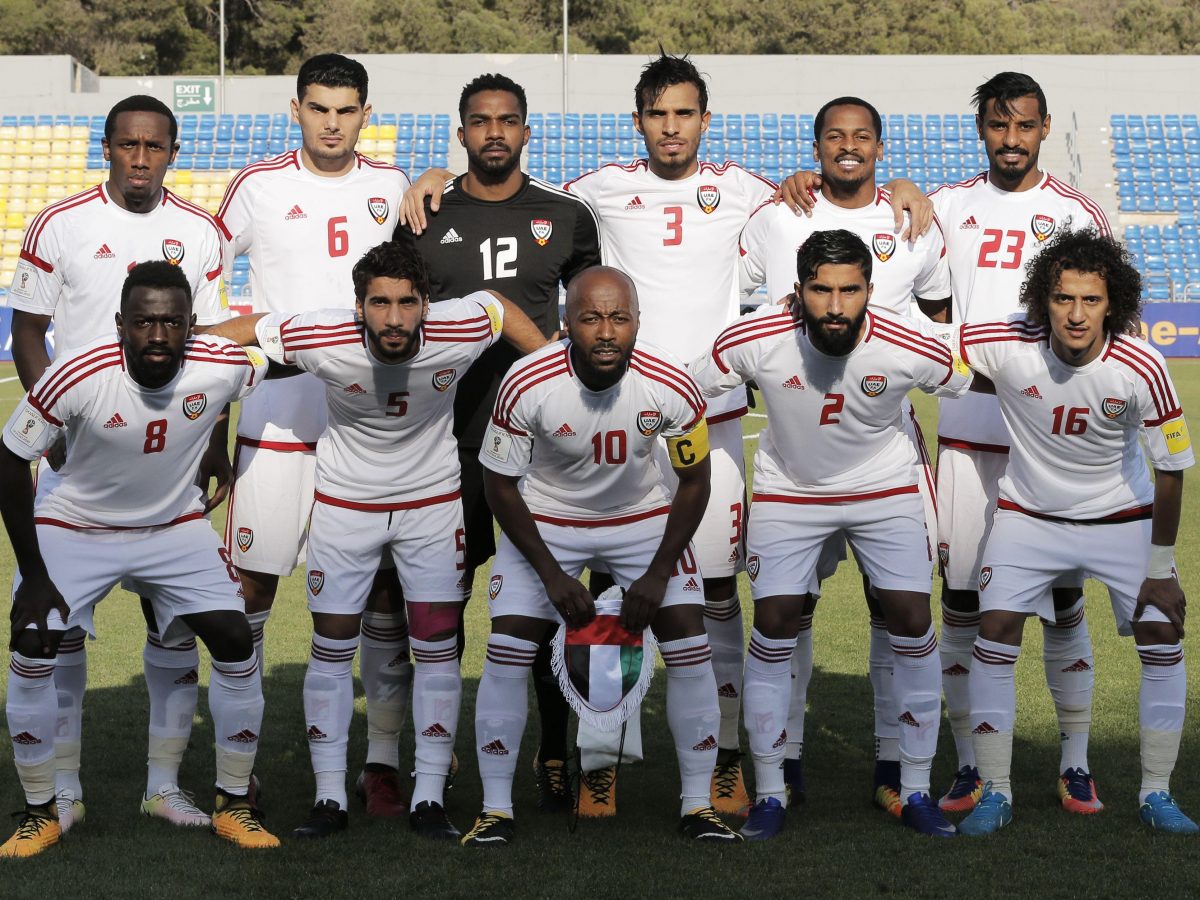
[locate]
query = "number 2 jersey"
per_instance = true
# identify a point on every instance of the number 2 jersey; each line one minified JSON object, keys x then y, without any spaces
{"x":389,"y":443}
{"x":132,"y":451}
{"x":1075,"y":451}
{"x":835,"y":432}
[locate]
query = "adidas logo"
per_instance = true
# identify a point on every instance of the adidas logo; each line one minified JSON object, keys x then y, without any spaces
{"x":956,"y":669}
{"x":26,"y":739}
{"x":450,"y":237}
{"x":907,"y":718}
{"x":794,"y":383}
{"x":104,"y":253}
{"x":295,"y":213}
{"x":316,"y":734}
{"x":984,"y":728}
{"x":355,"y":388}
{"x":780,"y":741}
{"x":495,"y":748}
{"x":115,"y":422}
{"x":1080,"y":665}
{"x":436,"y":730}
{"x":709,"y":743}
{"x":691,"y":585}
{"x":733,"y":555}
{"x":635,"y":203}
{"x":400,"y":660}
{"x":245,"y":736}
{"x":190,"y":678}
{"x":564,"y":430}
{"x":1032,"y":391}
{"x":969,"y":222}
{"x":727,"y":690}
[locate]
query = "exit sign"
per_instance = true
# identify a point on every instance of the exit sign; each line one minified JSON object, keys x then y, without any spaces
{"x":195,"y":96}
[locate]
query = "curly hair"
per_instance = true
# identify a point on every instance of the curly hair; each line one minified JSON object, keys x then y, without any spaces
{"x":1085,"y":251}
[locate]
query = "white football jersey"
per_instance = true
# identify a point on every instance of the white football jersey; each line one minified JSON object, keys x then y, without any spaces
{"x":389,"y":443}
{"x":77,"y":253}
{"x":991,"y":235}
{"x":677,"y":240}
{"x":132,"y":452}
{"x":835,"y":429}
{"x":900,"y":270}
{"x":1075,"y":451}
{"x":303,"y":234}
{"x":588,"y":457}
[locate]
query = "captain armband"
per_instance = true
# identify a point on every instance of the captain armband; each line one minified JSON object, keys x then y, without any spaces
{"x":689,"y":449}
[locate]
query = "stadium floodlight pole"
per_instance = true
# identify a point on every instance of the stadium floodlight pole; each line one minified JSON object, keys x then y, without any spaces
{"x":564,"y":61}
{"x":221,"y":76}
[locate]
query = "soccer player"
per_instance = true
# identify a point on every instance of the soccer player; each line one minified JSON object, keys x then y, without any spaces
{"x":74,"y":260}
{"x":136,"y":409}
{"x":849,"y":141}
{"x":303,"y":218}
{"x":1077,"y":391}
{"x":834,"y":460}
{"x":574,"y":476}
{"x":994,"y":224}
{"x":497,"y":227}
{"x":386,"y":480}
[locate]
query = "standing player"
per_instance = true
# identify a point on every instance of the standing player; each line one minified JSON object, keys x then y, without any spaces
{"x":1077,"y":392}
{"x":303,"y":218}
{"x":574,"y":477}
{"x":386,"y":480}
{"x":74,"y":260}
{"x":994,"y":225}
{"x":849,"y":141}
{"x":136,"y":413}
{"x":834,"y":460}
{"x":497,"y":227}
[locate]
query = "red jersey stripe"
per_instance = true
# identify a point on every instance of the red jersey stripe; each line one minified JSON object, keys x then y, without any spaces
{"x":674,"y":372}
{"x":38,"y":225}
{"x":290,"y":159}
{"x":71,"y":365}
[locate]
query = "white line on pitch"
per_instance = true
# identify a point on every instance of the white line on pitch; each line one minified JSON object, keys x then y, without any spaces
{"x":7,"y":380}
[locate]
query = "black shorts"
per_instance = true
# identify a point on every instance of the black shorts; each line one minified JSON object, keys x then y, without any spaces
{"x":477,"y":515}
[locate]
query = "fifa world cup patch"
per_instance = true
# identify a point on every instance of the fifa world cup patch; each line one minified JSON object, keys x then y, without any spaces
{"x":172,"y":251}
{"x":709,"y":197}
{"x":497,"y":444}
{"x":541,"y":230}
{"x":1176,"y":434}
{"x":873,"y":385}
{"x":194,"y":405}
{"x":28,"y":427}
{"x":884,"y":245}
{"x":378,"y":208}
{"x":245,"y":537}
{"x":24,"y":280}
{"x":985,"y":577}
{"x":316,"y":581}
{"x":494,"y":586}
{"x":443,"y":379}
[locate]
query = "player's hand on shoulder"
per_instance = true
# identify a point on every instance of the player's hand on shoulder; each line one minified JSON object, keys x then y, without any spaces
{"x":1165,"y":595}
{"x":56,"y":456}
{"x":412,"y":206}
{"x":642,"y":601}
{"x":906,"y":196}
{"x":571,"y":599}
{"x":33,"y":601}
{"x":799,"y":192}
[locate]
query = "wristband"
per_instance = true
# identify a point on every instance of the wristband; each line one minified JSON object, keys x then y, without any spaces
{"x":1162,"y":561}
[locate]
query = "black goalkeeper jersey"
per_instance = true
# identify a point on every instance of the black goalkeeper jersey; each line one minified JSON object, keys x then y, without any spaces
{"x":522,"y":248}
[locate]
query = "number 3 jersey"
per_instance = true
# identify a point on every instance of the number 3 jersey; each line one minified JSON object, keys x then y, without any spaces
{"x":1075,"y":449}
{"x":389,"y":443}
{"x":835,"y":432}
{"x":588,"y":457}
{"x":132,"y":451}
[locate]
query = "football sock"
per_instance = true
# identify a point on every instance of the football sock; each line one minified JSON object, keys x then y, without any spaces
{"x":955,"y":647}
{"x":437,"y":693}
{"x":235,"y":701}
{"x":723,"y":622}
{"x":258,"y":625}
{"x":328,"y":708}
{"x":552,"y":706}
{"x":387,"y":676}
{"x":887,"y":729}
{"x":693,"y":716}
{"x":172,"y":679}
{"x":766,"y":694}
{"x":1160,"y":713}
{"x":500,"y":711}
{"x":70,"y":682}
{"x":1067,"y":655}
{"x":993,"y":711}
{"x":915,"y":684}
{"x":801,"y":674}
{"x":32,"y":711}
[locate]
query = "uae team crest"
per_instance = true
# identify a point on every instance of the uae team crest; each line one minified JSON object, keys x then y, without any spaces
{"x":753,"y":563}
{"x":1112,"y":407}
{"x":378,"y":208}
{"x":648,"y":421}
{"x":709,"y":197}
{"x":1041,"y":226}
{"x":194,"y":405}
{"x":316,"y":581}
{"x":443,"y":379}
{"x":494,"y":585}
{"x":245,"y":537}
{"x":172,"y":251}
{"x":541,"y":230}
{"x":884,"y":245}
{"x":874,"y":385}
{"x":985,"y":577}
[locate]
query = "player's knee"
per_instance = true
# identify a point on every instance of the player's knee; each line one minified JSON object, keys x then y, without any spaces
{"x":259,"y":589}
{"x":1152,"y":633}
{"x":524,"y":628}
{"x":778,"y":618}
{"x":960,"y":601}
{"x":29,"y":645}
{"x":433,"y":621}
{"x":336,"y":627}
{"x":1002,"y":627}
{"x":1065,"y":598}
{"x":719,"y":589}
{"x":906,"y":612}
{"x":386,"y":594}
{"x":225,"y":633}
{"x":674,"y":623}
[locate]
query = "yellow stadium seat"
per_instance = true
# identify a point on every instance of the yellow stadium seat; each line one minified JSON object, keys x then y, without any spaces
{"x":56,"y":178}
{"x":14,"y":234}
{"x":76,"y":180}
{"x":7,"y":148}
{"x":386,"y":156}
{"x":79,"y":131}
{"x":35,"y":205}
{"x":77,"y":145}
{"x":61,"y":132}
{"x":3,"y":188}
{"x":60,"y":146}
{"x":22,"y":146}
{"x":182,"y":176}
{"x":6,"y":163}
{"x":41,"y":148}
{"x":76,"y":162}
{"x":38,"y":191}
{"x":43,"y":132}
{"x":58,"y":161}
{"x":369,"y":133}
{"x":3,"y":207}
{"x":367,"y":146}
{"x":213,"y":204}
{"x":8,"y":132}
{"x":25,"y":132}
{"x":387,"y":133}
{"x":13,"y":219}
{"x":11,"y":249}
{"x":18,"y":191}
{"x":22,"y":166}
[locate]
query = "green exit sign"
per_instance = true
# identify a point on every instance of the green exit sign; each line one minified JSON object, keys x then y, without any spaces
{"x":195,"y":96}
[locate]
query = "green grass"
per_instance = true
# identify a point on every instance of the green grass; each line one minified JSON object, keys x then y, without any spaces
{"x":835,"y":845}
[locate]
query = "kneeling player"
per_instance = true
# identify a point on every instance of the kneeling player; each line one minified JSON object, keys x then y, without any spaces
{"x":1076,"y":499}
{"x":572,"y":479}
{"x":834,"y":460}
{"x":137,"y":413}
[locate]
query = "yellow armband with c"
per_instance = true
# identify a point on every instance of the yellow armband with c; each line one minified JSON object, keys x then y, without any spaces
{"x":689,"y":449}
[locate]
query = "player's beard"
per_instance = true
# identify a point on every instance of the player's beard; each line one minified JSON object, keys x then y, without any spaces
{"x":497,"y":169}
{"x":1014,"y":174}
{"x":836,"y":343}
{"x":846,"y":187}
{"x":152,"y":372}
{"x":385,"y":354}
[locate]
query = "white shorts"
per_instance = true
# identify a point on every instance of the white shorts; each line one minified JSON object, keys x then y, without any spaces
{"x":1025,"y":556}
{"x":624,"y":551}
{"x":718,"y":540}
{"x":785,"y":541}
{"x":267,"y":526}
{"x":182,"y":568}
{"x":967,"y":486}
{"x":427,"y":544}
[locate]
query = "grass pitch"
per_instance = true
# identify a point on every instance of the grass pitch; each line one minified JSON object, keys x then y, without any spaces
{"x":836,"y":845}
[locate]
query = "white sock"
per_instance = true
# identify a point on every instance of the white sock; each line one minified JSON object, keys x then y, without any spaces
{"x":723,"y":622}
{"x":693,"y":716}
{"x":235,"y":702}
{"x":32,"y":710}
{"x":955,"y":647}
{"x":881,"y":661}
{"x":70,"y":683}
{"x":915,"y":683}
{"x":172,"y":680}
{"x":767,"y":690}
{"x":437,"y":693}
{"x":501,"y":708}
{"x":387,"y":676}
{"x":1067,"y":656}
{"x":328,"y":708}
{"x":258,"y":626}
{"x":1160,"y":714}
{"x":994,"y":711}
{"x":801,"y":672}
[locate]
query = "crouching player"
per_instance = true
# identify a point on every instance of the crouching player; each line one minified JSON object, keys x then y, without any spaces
{"x":835,"y":460}
{"x":571,"y":475}
{"x":137,"y":410}
{"x":1076,"y":391}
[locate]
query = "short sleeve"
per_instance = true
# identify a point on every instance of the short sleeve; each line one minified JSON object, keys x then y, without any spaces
{"x":255,"y":374}
{"x":209,"y":301}
{"x":473,"y":322}
{"x":586,"y":186}
{"x":735,"y":353}
{"x":37,"y":284}
{"x":585,"y":244}
{"x":507,"y":446}
{"x":933,"y":280}
{"x":269,"y":330}
{"x":683,"y":405}
{"x":752,"y":250}
{"x":235,"y":217}
{"x":1167,"y":440}
{"x":30,"y":432}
